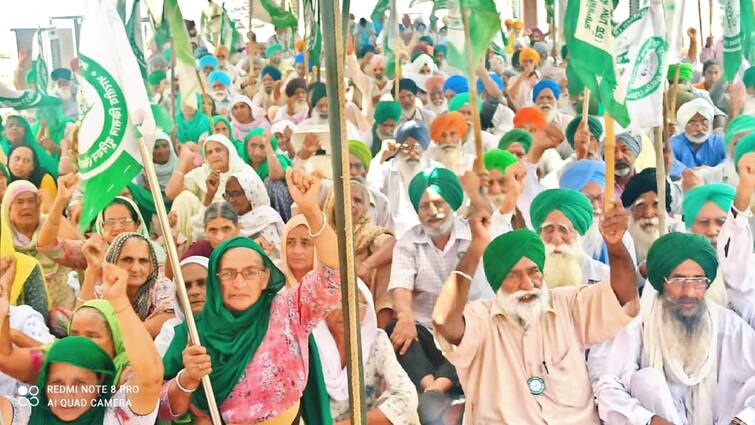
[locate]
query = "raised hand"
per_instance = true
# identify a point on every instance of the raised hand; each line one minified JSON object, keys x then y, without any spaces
{"x":114,"y":282}
{"x":67,"y":185}
{"x":94,"y":251}
{"x":614,"y":223}
{"x":188,"y":152}
{"x":304,"y":188}
{"x":7,"y":274}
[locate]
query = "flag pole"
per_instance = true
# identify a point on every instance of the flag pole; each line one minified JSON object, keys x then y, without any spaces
{"x":674,"y":90}
{"x":700,"y":20}
{"x":334,"y":54}
{"x":609,"y":153}
{"x":183,"y":296}
{"x":660,"y":175}
{"x":585,"y":106}
{"x":397,"y":55}
{"x":471,"y":68}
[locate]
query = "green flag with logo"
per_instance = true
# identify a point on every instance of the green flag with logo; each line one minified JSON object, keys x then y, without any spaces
{"x":113,"y":99}
{"x":484,"y":24}
{"x":24,"y":99}
{"x":588,"y":29}
{"x":738,"y":25}
{"x":186,"y":68}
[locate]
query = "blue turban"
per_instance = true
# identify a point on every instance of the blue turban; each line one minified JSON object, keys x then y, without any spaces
{"x":546,"y":84}
{"x":498,"y":81}
{"x":272,"y":71}
{"x":208,"y":60}
{"x":457,"y":84}
{"x":417,"y":130}
{"x":581,"y":172}
{"x":299,"y":58}
{"x":221,"y":77}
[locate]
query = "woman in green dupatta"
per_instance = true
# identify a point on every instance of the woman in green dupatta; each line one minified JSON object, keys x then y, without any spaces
{"x":192,"y":124}
{"x":260,"y":151}
{"x":258,"y":376}
{"x":17,"y":131}
{"x":221,"y":125}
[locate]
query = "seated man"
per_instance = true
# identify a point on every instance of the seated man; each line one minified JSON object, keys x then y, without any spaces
{"x":448,"y":131}
{"x":696,"y":145}
{"x":520,"y":356}
{"x":463,"y":105}
{"x":682,"y":361}
{"x":545,"y":95}
{"x":422,"y":260}
{"x":407,"y":97}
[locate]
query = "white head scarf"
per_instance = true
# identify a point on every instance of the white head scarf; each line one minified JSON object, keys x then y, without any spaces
{"x":238,"y":129}
{"x":419,"y":62}
{"x":194,"y":259}
{"x":694,"y":106}
{"x":260,"y":216}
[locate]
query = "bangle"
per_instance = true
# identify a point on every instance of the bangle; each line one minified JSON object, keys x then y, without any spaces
{"x":181,"y":387}
{"x":122,"y":309}
{"x":180,"y":172}
{"x":462,"y":274}
{"x":324,"y":223}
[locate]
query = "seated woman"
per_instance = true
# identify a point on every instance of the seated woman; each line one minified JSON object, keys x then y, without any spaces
{"x":262,"y":375}
{"x":4,"y":179}
{"x":220,"y":224}
{"x":77,"y":360}
{"x":164,"y":158}
{"x":191,"y":124}
{"x":261,"y":223}
{"x":260,"y":151}
{"x":373,"y":248}
{"x":16,"y":131}
{"x":191,"y":188}
{"x":221,"y":125}
{"x":390,"y":394}
{"x":24,"y":165}
{"x":150,"y":294}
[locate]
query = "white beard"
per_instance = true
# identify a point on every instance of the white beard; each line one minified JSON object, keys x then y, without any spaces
{"x":65,"y":93}
{"x":408,"y":168}
{"x":496,"y":201}
{"x":438,"y":108}
{"x":593,"y":240}
{"x":452,"y":157}
{"x":698,"y":137}
{"x":644,"y":231}
{"x":440,"y":229}
{"x":564,"y":268}
{"x":525,"y":313}
{"x":550,"y":113}
{"x":300,"y":106}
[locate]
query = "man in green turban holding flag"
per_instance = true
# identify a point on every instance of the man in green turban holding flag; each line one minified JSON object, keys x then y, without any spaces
{"x":530,"y":336}
{"x":423,"y":258}
{"x":584,"y":141}
{"x":683,"y":361}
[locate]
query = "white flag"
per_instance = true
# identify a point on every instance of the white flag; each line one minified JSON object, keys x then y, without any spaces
{"x":114,"y":100}
{"x":640,"y":56}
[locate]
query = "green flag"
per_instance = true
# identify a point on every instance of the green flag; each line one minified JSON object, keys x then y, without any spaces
{"x":132,"y":29}
{"x":390,"y":41}
{"x":378,"y":13}
{"x":229,"y":35}
{"x":738,"y":26}
{"x":278,"y":17}
{"x":25,"y":99}
{"x":185,"y":65}
{"x":484,"y":24}
{"x":313,"y":32}
{"x":588,"y":30}
{"x":113,"y":97}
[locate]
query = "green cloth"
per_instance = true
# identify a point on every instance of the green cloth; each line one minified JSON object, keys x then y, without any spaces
{"x":748,"y":78}
{"x":315,"y":401}
{"x":738,"y":125}
{"x":506,"y":250}
{"x":460,"y":100}
{"x":516,"y":135}
{"x":231,"y":339}
{"x":317,"y":91}
{"x":593,"y":124}
{"x":46,"y":161}
{"x":4,"y":171}
{"x":387,"y":110}
{"x":744,"y":146}
{"x":77,"y":351}
{"x":573,"y":204}
{"x":120,"y":361}
{"x":674,"y":248}
{"x":156,"y":77}
{"x":273,"y":49}
{"x":191,"y":130}
{"x":263,"y":170}
{"x":361,"y":151}
{"x":685,"y":73}
{"x":498,"y":159}
{"x":56,"y":123}
{"x":144,"y":201}
{"x":443,"y":181}
{"x":695,"y":199}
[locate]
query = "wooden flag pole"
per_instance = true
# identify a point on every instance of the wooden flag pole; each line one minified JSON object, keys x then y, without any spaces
{"x":183,"y":296}
{"x":674,"y":90}
{"x":471,"y":68}
{"x":660,"y":176}
{"x":700,"y":20}
{"x":396,"y":55}
{"x":333,"y":44}
{"x":609,"y":153}
{"x":585,"y":106}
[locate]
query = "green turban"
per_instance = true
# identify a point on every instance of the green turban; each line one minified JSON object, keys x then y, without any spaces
{"x":516,"y":135}
{"x":506,"y":250}
{"x":575,"y":206}
{"x":498,"y":159}
{"x":273,"y":49}
{"x":744,"y":146}
{"x":361,"y":151}
{"x":441,"y":180}
{"x":460,"y":100}
{"x":593,"y":124}
{"x":685,"y":73}
{"x":738,"y":125}
{"x":156,"y":77}
{"x":387,"y":110}
{"x":748,"y":78}
{"x":719,"y":193}
{"x":317,"y":91}
{"x":674,"y":248}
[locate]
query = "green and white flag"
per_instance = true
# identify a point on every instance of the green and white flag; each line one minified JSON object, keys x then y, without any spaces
{"x":484,"y":24}
{"x":24,"y":99}
{"x":390,"y":41}
{"x":229,"y":35}
{"x":640,"y":59}
{"x":738,"y":24}
{"x":113,"y":98}
{"x":588,"y":30}
{"x":186,"y":67}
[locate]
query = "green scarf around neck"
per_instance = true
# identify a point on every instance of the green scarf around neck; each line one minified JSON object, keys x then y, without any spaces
{"x":263,"y":170}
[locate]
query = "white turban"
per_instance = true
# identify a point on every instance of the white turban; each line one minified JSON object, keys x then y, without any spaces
{"x":694,"y":106}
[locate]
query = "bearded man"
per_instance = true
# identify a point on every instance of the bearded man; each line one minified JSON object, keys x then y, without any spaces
{"x":296,"y":109}
{"x":628,"y":148}
{"x":448,"y":131}
{"x":371,"y":83}
{"x":530,"y":337}
{"x":545,"y":95}
{"x":387,"y":117}
{"x":696,"y":145}
{"x":407,"y":97}
{"x":462,"y":104}
{"x":683,"y":361}
{"x":220,"y":81}
{"x":437,"y":103}
{"x":270,"y":94}
{"x":66,"y":89}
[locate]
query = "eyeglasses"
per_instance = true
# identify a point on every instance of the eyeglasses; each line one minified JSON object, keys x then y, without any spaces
{"x":697,"y":283}
{"x":233,"y":194}
{"x":410,"y":148}
{"x":703,"y":123}
{"x":228,"y":275}
{"x":122,"y":222}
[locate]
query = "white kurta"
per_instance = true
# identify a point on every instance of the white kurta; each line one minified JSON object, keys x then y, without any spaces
{"x":737,"y":262}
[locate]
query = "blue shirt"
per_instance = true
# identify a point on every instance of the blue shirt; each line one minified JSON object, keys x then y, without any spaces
{"x":677,"y":168}
{"x":711,"y":152}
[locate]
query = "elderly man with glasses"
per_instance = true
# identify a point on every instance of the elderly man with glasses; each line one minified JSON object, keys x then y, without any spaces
{"x":696,"y":145}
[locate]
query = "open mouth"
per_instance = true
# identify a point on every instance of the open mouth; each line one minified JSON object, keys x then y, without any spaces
{"x":527,"y":298}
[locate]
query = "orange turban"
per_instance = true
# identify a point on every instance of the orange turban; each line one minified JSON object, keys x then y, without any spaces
{"x":299,"y":45}
{"x":530,"y":115}
{"x":221,"y":51}
{"x":518,"y":24}
{"x":508,"y":22}
{"x":433,"y":82}
{"x":529,"y":53}
{"x":449,"y":120}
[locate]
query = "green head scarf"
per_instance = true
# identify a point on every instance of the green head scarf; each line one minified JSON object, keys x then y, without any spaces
{"x":317,"y":91}
{"x":519,"y":135}
{"x":46,"y":160}
{"x":460,"y":100}
{"x":744,"y":146}
{"x":386,"y":110}
{"x":748,"y":78}
{"x":506,"y":250}
{"x":190,"y":130}
{"x":498,"y":159}
{"x":273,"y":49}
{"x":156,"y":77}
{"x":263,"y":170}
{"x":742,"y":123}
{"x":685,"y":73}
{"x":361,"y":151}
{"x":695,"y":199}
{"x":574,"y":205}
{"x":81,"y":352}
{"x":441,"y":180}
{"x":595,"y":127}
{"x":674,"y":248}
{"x":120,"y":361}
